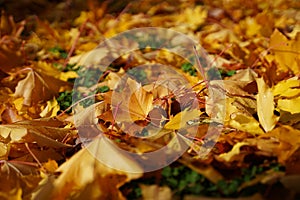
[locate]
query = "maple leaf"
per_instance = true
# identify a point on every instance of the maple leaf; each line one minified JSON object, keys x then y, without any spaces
{"x":287,"y":94}
{"x":20,"y":181}
{"x":286,"y":52}
{"x":36,"y":87}
{"x":290,"y":105}
{"x":132,"y":103}
{"x":287,"y":88}
{"x":181,"y":119}
{"x":236,"y":36}
{"x":187,"y":20}
{"x":41,"y":131}
{"x":89,"y":170}
{"x":140,"y":104}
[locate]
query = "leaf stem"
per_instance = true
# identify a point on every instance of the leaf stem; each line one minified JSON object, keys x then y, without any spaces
{"x":34,"y":157}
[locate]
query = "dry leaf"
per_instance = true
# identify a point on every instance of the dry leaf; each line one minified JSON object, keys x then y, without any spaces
{"x":36,"y":131}
{"x":51,"y":109}
{"x":245,"y":123}
{"x":287,"y":88}
{"x":150,"y":192}
{"x":132,"y":103}
{"x":233,"y":153}
{"x":286,"y":52}
{"x":289,"y":105}
{"x":265,"y":106}
{"x":36,"y":87}
{"x":181,"y":119}
{"x":86,"y":167}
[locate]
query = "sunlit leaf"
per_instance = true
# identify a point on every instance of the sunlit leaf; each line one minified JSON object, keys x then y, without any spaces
{"x":180,"y":120}
{"x":265,"y":106}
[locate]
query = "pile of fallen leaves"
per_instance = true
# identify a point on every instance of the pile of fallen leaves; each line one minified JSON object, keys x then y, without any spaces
{"x":253,"y":45}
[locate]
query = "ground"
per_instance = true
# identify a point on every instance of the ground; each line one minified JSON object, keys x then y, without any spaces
{"x":150,"y":99}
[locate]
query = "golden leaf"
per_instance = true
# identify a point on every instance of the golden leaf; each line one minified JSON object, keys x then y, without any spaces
{"x":86,"y":168}
{"x":132,"y":103}
{"x":245,"y":123}
{"x":36,"y":87}
{"x":287,"y":88}
{"x":235,"y":151}
{"x":265,"y":106}
{"x":51,"y":109}
{"x":289,"y":105}
{"x":286,"y":51}
{"x":156,"y":192}
{"x":180,"y":120}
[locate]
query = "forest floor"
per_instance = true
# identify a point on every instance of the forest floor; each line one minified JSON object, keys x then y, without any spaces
{"x":150,"y":99}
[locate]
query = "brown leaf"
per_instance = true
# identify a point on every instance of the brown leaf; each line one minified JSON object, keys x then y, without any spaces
{"x":36,"y":131}
{"x":37,"y":87}
{"x":89,"y":169}
{"x":132,"y":103}
{"x":291,"y":182}
{"x":10,"y":54}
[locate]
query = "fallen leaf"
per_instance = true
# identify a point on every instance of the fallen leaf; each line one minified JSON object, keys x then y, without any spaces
{"x":132,"y":103}
{"x":51,"y":109}
{"x":265,"y":106}
{"x":150,"y":192}
{"x":85,"y":165}
{"x":18,"y":181}
{"x":140,"y":104}
{"x":289,"y":138}
{"x":287,"y":88}
{"x":35,"y":131}
{"x":286,"y":52}
{"x":289,"y":105}
{"x":180,"y":120}
{"x":36,"y":87}
{"x":245,"y":123}
{"x":10,"y":53}
{"x":206,"y":170}
{"x":233,"y":153}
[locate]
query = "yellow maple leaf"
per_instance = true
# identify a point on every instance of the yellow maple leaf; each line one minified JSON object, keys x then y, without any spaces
{"x":245,"y":123}
{"x":286,"y":52}
{"x":51,"y":109}
{"x":287,"y":88}
{"x":251,"y":27}
{"x":289,"y":105}
{"x":180,"y":120}
{"x":191,"y":18}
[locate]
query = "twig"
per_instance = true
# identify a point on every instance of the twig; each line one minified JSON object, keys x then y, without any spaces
{"x":34,"y":157}
{"x":200,"y":67}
